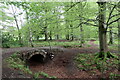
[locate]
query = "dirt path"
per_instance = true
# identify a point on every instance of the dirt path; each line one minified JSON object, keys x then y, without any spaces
{"x":62,"y":66}
{"x":93,"y":44}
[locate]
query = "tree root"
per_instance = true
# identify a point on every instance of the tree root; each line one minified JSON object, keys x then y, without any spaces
{"x":104,"y":55}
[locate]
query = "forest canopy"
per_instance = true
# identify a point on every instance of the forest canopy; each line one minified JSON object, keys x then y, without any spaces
{"x":25,"y":22}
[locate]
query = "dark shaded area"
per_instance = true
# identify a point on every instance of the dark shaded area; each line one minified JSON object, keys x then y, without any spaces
{"x":37,"y":58}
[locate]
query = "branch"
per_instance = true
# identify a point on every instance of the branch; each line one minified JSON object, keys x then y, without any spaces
{"x":65,"y":10}
{"x":113,"y":21}
{"x":115,"y":15}
{"x":72,"y":6}
{"x":111,"y":14}
{"x":86,"y":24}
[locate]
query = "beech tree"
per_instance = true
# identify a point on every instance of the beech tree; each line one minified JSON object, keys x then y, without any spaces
{"x":102,"y":27}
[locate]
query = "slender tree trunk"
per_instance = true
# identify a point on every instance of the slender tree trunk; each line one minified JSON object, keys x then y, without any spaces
{"x":67,"y":37}
{"x":57,"y":33}
{"x":29,"y":32}
{"x":30,"y":37}
{"x":19,"y":33}
{"x":45,"y":33}
{"x":102,"y":27}
{"x":110,"y":33}
{"x":72,"y":34}
{"x":37,"y":38}
{"x":57,"y":36}
{"x":50,"y":35}
{"x":119,"y":42}
{"x":81,"y":6}
{"x":110,"y":36}
{"x":67,"y":31}
{"x":46,"y":27}
{"x":81,"y":36}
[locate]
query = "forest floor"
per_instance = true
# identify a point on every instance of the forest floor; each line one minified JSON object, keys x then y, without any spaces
{"x":62,"y":66}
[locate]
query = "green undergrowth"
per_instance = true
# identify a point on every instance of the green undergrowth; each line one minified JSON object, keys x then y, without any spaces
{"x":57,"y":43}
{"x":89,"y":62}
{"x":113,"y":46}
{"x":112,"y":76}
{"x":16,"y":63}
{"x":66,"y":44}
{"x":45,"y":75}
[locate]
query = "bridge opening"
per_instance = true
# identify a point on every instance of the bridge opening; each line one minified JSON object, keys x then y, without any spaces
{"x":37,"y":58}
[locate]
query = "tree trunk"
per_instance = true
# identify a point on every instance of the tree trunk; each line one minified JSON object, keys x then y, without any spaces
{"x":67,"y":32}
{"x":67,"y":37}
{"x":45,"y":33}
{"x":110,"y":36}
{"x":46,"y":27}
{"x":19,"y":33}
{"x":30,"y":37}
{"x":102,"y":28}
{"x":81,"y":6}
{"x":81,"y":36}
{"x":57,"y":36}
{"x":37,"y":38}
{"x":119,"y":42}
{"x":72,"y":36}
{"x":110,"y":33}
{"x":50,"y":35}
{"x":29,"y":32}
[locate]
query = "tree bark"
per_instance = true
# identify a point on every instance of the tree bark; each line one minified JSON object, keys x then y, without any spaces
{"x":118,"y":6}
{"x":30,"y":33}
{"x":81,"y":27}
{"x":30,"y":37}
{"x":102,"y":28}
{"x":110,"y":36}
{"x":57,"y":36}
{"x":37,"y":38}
{"x":45,"y":33}
{"x":46,"y":27}
{"x":72,"y":34}
{"x":50,"y":35}
{"x":19,"y":33}
{"x":81,"y":36}
{"x":67,"y":36}
{"x":67,"y":31}
{"x":57,"y":29}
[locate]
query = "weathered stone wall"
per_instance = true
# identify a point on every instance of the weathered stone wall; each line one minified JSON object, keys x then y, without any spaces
{"x":29,"y":54}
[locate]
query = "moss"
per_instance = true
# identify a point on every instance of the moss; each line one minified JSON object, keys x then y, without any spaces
{"x":90,"y":62}
{"x":105,"y":55}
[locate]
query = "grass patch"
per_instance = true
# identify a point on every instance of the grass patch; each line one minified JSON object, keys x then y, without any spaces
{"x":113,"y":46}
{"x":45,"y":75}
{"x":57,"y":43}
{"x":16,"y":63}
{"x":113,"y":76}
{"x":96,"y":42}
{"x":88,"y":62}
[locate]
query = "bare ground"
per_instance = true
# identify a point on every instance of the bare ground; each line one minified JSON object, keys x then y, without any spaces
{"x":62,"y":66}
